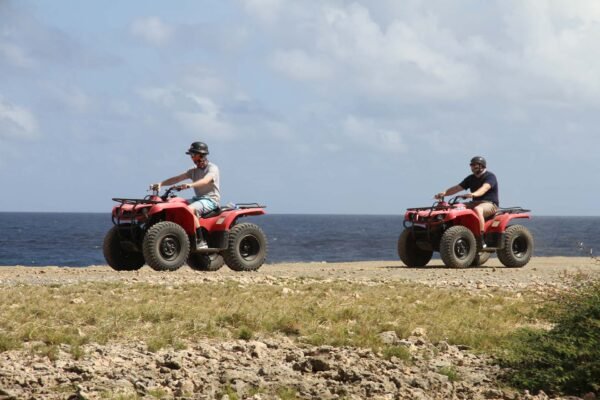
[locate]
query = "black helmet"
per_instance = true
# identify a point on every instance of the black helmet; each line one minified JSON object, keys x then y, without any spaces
{"x":479,"y":160}
{"x":198,"y":148}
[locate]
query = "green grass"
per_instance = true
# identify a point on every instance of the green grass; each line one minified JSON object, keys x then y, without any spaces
{"x":564,"y":359}
{"x":338,"y":314}
{"x":451,"y":373}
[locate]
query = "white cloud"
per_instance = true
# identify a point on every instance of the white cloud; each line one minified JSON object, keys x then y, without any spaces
{"x":206,"y":119}
{"x":16,"y":122}
{"x":73,"y":98}
{"x":559,"y":43}
{"x":265,"y":10}
{"x":194,"y":112}
{"x":424,"y":51}
{"x":164,"y":96}
{"x":16,"y":55}
{"x":300,"y":66}
{"x":345,"y":45}
{"x":152,"y":30}
{"x":368,"y":133}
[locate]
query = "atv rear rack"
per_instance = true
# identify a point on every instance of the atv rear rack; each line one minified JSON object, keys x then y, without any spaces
{"x":512,"y":210}
{"x":249,"y":205}
{"x":136,"y":201}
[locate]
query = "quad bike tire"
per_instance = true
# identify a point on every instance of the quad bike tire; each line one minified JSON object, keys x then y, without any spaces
{"x":246,"y":247}
{"x":205,"y":262}
{"x":481,"y":258}
{"x":458,"y":247}
{"x":117,"y":257}
{"x":411,"y":254}
{"x":518,"y":247}
{"x":166,"y":246}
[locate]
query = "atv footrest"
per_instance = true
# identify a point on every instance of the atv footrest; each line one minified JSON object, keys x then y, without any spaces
{"x":208,"y":250}
{"x":490,"y":249}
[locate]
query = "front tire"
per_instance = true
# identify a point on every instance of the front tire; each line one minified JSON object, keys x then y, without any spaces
{"x":246,"y":249}
{"x":408,"y":251}
{"x":205,"y":262}
{"x":116,"y":256}
{"x":458,"y":247}
{"x":166,"y":246}
{"x":518,"y":247}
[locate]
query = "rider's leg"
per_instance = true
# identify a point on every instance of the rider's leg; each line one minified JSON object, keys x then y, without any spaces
{"x":483,"y":211}
{"x":479,"y":210}
{"x":202,"y":206}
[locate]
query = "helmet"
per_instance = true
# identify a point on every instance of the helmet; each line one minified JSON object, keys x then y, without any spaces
{"x":198,"y":148}
{"x":479,"y":160}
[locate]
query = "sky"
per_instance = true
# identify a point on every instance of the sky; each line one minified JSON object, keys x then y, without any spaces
{"x":328,"y":106}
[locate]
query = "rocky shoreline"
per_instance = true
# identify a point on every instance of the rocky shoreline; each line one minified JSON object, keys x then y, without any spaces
{"x":255,"y":369}
{"x":278,"y":367}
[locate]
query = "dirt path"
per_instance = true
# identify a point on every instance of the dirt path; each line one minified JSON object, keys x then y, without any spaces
{"x":545,"y":271}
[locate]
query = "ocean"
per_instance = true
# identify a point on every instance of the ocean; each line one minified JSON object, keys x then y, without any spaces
{"x":75,"y":239}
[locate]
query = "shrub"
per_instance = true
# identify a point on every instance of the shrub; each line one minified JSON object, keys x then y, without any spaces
{"x":564,"y":359}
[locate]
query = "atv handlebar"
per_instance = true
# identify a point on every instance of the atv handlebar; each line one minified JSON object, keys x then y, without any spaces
{"x":440,"y":202}
{"x":168,"y":193}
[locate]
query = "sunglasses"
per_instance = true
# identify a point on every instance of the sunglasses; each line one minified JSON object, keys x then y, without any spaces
{"x":196,"y":155}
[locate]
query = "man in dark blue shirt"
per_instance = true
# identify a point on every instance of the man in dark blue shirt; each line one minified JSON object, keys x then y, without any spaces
{"x":483,"y":188}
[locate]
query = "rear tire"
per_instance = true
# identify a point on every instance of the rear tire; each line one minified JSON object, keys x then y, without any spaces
{"x":518,"y":247}
{"x":481,"y":258}
{"x":166,"y":246}
{"x":408,"y":251}
{"x":246,"y":249}
{"x":205,"y":262}
{"x":458,"y":247}
{"x":118,"y":258}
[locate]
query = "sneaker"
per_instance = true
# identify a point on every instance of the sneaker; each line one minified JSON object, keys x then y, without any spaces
{"x":202,"y":244}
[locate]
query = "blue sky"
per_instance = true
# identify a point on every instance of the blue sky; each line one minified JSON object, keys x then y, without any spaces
{"x":323,"y":106}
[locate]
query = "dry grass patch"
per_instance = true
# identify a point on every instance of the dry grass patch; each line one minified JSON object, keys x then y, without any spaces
{"x":338,"y":313}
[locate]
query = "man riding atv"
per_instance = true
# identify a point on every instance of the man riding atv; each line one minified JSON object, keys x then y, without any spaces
{"x":205,"y":181}
{"x":466,"y":234}
{"x":483,"y":187}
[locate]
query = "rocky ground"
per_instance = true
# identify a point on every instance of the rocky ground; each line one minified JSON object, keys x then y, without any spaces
{"x":278,"y":367}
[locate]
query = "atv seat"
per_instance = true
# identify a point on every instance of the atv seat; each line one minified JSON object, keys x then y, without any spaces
{"x":213,"y":213}
{"x":511,"y":210}
{"x":507,"y":210}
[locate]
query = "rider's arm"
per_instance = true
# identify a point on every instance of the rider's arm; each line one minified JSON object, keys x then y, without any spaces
{"x":170,"y":181}
{"x":204,"y":181}
{"x":481,"y":191}
{"x":450,"y":191}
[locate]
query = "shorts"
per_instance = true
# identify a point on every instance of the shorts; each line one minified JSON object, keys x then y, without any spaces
{"x":488,"y":207}
{"x":203,"y":204}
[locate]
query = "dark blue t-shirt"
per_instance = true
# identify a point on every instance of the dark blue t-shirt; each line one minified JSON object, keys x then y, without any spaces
{"x":473,"y":183}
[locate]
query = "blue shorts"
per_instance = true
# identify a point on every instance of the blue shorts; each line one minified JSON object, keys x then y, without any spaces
{"x":203,"y":204}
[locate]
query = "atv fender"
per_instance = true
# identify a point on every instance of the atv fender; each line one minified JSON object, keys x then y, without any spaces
{"x":183,"y":216}
{"x":470,"y":220}
{"x":225,"y":220}
{"x":499,"y":223}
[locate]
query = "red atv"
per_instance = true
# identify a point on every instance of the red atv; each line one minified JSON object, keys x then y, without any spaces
{"x":452,"y":229}
{"x":161,"y":231}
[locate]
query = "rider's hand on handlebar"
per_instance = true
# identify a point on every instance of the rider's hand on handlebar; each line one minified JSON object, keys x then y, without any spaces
{"x":155,"y":186}
{"x":440,"y":196}
{"x":183,"y":186}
